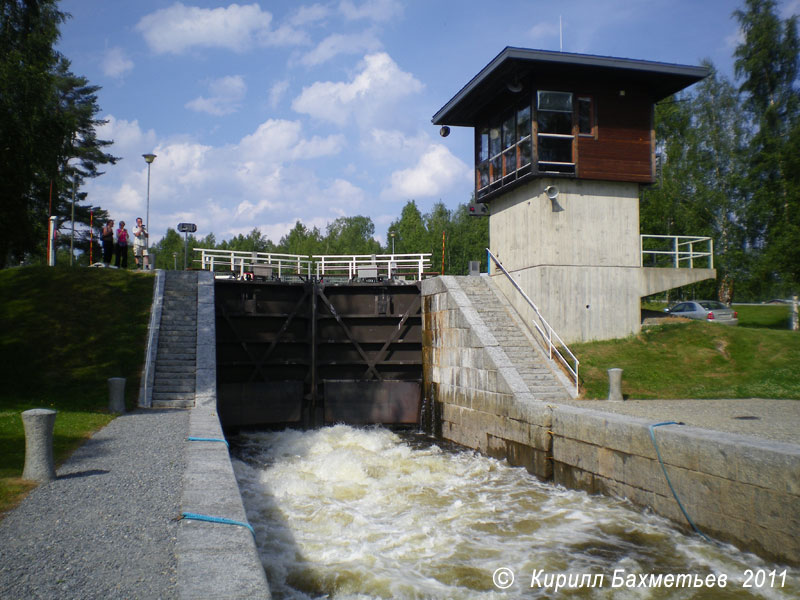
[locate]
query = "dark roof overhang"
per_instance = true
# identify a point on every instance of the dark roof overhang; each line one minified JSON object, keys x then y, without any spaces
{"x":514,"y":65}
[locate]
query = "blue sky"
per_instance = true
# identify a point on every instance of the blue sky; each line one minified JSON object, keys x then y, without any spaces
{"x":264,"y":113}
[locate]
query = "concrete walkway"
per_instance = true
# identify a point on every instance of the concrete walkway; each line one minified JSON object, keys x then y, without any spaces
{"x":776,"y":420}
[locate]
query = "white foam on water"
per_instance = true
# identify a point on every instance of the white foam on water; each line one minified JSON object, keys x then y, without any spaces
{"x":354,"y":513}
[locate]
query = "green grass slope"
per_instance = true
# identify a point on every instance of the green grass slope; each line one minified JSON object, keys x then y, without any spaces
{"x":65,"y":331}
{"x":695,"y":359}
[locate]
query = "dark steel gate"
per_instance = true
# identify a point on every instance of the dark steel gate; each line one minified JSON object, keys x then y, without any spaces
{"x":309,"y":353}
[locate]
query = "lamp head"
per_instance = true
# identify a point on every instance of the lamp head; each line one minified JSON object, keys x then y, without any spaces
{"x":149,"y":158}
{"x":551,"y":191}
{"x":444,"y":131}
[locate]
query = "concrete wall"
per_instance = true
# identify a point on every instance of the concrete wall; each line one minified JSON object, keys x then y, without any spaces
{"x":735,"y":488}
{"x":579,"y":259}
{"x":214,"y":560}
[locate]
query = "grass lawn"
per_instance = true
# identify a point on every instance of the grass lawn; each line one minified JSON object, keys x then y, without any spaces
{"x":65,"y":332}
{"x":757,"y":359}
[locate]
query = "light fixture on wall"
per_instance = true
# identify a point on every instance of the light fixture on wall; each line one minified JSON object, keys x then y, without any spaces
{"x":514,"y":86}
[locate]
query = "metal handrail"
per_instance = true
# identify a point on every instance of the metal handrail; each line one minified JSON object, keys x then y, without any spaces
{"x":545,"y":330}
{"x":682,"y":249}
{"x":391,"y":263}
{"x":241,"y":261}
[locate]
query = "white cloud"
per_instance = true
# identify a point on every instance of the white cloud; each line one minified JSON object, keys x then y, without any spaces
{"x":277,"y":91}
{"x":791,"y":8}
{"x":116,"y":63}
{"x":379,"y":84}
{"x":373,"y":10}
{"x":280,"y":140}
{"x":237,"y":27}
{"x":308,"y":15}
{"x":127,"y":136}
{"x":543,"y":34}
{"x":436,"y":171}
{"x":226,"y":94}
{"x":337,"y":44}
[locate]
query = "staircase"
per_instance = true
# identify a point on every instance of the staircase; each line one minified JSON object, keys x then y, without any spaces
{"x":519,"y":346}
{"x":175,"y":365}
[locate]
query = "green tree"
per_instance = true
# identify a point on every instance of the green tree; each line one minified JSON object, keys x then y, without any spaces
{"x":254,"y":241}
{"x":351,"y":235}
{"x":767,"y":63}
{"x":468,"y":241}
{"x":410,"y":232}
{"x":301,"y":240}
{"x":169,"y":245}
{"x":50,"y":114}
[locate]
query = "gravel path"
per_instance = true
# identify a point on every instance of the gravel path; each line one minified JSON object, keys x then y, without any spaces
{"x":104,"y":528}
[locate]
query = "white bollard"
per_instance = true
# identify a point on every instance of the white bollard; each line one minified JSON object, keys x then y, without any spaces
{"x":39,"y":465}
{"x":116,"y":394}
{"x":615,"y":385}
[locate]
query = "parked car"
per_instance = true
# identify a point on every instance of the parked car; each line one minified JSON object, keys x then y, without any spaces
{"x":705,"y":310}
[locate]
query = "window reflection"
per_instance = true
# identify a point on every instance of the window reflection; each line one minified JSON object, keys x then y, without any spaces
{"x":506,"y":146}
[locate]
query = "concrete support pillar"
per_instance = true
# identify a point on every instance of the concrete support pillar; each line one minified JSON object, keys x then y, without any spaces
{"x":615,"y":385}
{"x":116,"y":394}
{"x":39,"y":465}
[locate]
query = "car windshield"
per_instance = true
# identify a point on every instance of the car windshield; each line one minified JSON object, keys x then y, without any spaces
{"x":712,"y":305}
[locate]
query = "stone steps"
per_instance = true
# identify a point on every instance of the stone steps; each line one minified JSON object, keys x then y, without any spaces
{"x":175,"y":367}
{"x":524,"y":357}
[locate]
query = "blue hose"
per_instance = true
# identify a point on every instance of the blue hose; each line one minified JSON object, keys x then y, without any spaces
{"x":669,"y":483}
{"x":196,"y":517}
{"x":202,"y":439}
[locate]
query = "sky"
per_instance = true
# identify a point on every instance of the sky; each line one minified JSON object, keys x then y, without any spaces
{"x":265,"y":113}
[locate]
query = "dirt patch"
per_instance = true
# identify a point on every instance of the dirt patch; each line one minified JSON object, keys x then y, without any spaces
{"x":655,"y":317}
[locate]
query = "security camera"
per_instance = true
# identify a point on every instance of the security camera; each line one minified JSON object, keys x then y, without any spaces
{"x":444,"y":131}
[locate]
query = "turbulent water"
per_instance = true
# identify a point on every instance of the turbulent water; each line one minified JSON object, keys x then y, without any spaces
{"x":352,"y":513}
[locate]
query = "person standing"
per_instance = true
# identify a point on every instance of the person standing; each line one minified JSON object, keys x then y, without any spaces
{"x":139,"y":242}
{"x":122,"y":246}
{"x":107,"y":237}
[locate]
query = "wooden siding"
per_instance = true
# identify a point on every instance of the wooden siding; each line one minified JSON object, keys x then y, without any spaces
{"x":623,"y":148}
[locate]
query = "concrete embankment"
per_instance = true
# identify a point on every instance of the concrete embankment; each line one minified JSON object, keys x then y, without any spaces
{"x":737,"y":488}
{"x":215,"y":559}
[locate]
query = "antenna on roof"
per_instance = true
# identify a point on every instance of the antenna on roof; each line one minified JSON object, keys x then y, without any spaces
{"x":560,"y":35}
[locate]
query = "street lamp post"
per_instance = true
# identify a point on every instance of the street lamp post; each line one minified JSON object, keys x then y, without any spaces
{"x":148,"y":158}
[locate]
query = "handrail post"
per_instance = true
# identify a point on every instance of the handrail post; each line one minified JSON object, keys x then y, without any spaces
{"x":711,"y":254}
{"x":677,"y":252}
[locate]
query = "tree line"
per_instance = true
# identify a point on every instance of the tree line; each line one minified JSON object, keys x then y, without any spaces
{"x":728,"y":165}
{"x":48,"y":140}
{"x":452,"y":237}
{"x":729,"y":158}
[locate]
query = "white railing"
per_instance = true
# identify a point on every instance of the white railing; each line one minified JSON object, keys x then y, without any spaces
{"x":240,"y":262}
{"x":362,"y":266}
{"x":555,"y":346}
{"x":680,"y":249}
{"x":372,"y":266}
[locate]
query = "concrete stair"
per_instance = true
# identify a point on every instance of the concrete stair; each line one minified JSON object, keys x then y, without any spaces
{"x":176,"y":357}
{"x":519,"y":345}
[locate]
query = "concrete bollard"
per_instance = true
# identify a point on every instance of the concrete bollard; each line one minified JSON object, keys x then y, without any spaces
{"x":116,"y":394}
{"x":615,"y":385}
{"x":39,"y":465}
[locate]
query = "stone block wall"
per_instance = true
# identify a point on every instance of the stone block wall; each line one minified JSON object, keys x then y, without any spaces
{"x":735,"y":488}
